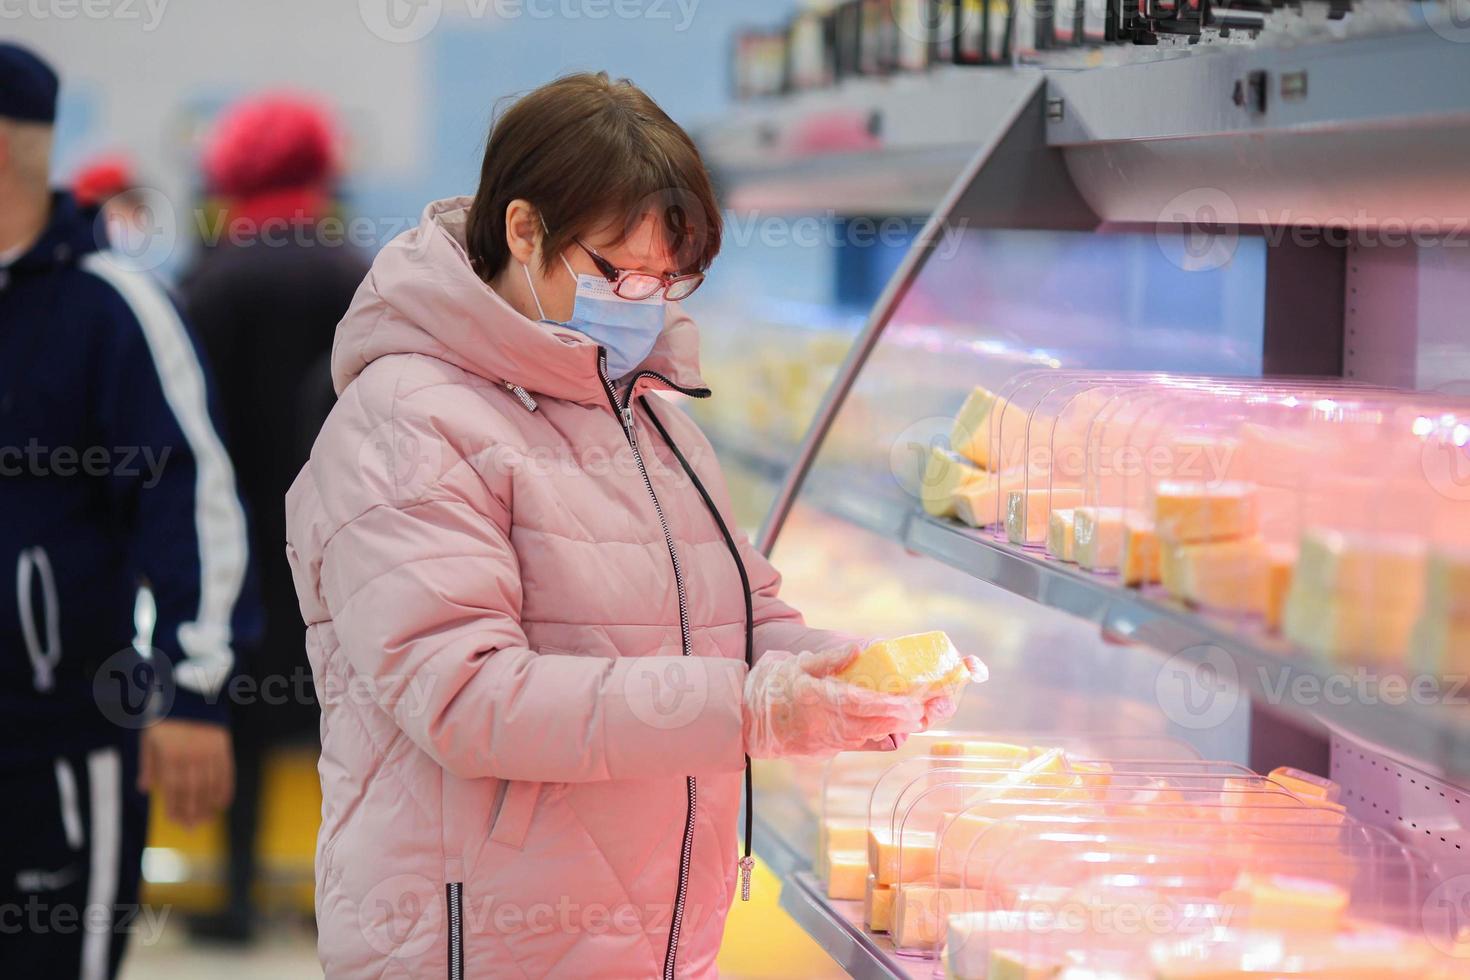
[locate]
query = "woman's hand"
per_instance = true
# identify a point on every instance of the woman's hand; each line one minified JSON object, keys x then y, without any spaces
{"x":795,"y":707}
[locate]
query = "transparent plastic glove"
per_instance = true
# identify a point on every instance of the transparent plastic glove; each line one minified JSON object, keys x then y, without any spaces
{"x":795,"y":707}
{"x":939,"y":710}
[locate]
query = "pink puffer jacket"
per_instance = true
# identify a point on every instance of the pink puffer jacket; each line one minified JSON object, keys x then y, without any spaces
{"x":523,"y":773}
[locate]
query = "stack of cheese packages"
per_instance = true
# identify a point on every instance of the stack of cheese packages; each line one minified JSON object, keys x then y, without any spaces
{"x":1337,"y":515}
{"x":1019,"y":861}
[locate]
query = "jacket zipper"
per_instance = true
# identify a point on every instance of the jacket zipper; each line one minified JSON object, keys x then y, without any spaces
{"x":747,"y":861}
{"x":624,"y":413}
{"x":454,"y":893}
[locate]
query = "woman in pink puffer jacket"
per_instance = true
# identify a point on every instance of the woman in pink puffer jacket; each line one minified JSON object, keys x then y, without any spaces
{"x":542,"y":649}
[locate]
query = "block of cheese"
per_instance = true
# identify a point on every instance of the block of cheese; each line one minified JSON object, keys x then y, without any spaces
{"x":1016,"y":964}
{"x":944,"y":475}
{"x":1059,"y":534}
{"x":1348,"y":626}
{"x":1004,"y":753}
{"x":847,"y":872}
{"x":1028,"y":512}
{"x":1280,"y":569}
{"x":1369,"y":566}
{"x":910,"y":857}
{"x":1447,"y":583}
{"x":1281,"y":902}
{"x":1188,"y":510}
{"x":921,"y":913}
{"x":978,"y":502}
{"x":1306,"y":785}
{"x":1228,"y":575}
{"x":972,"y":433}
{"x":1100,"y":537}
{"x":877,"y":905}
{"x":971,"y":936}
{"x":1368,"y":953}
{"x":1139,"y":561}
{"x":1440,"y":644}
{"x":924,"y":665}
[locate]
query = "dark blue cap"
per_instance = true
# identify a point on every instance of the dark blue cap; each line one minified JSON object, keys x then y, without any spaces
{"x":27,"y":85}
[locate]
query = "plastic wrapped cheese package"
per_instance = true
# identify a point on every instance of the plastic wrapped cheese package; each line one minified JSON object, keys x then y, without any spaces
{"x":1109,"y":900}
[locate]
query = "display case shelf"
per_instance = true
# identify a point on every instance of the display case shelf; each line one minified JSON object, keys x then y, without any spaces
{"x":1386,"y":710}
{"x":837,"y":927}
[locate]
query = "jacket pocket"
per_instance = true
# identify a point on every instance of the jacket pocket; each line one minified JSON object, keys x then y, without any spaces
{"x":454,"y":900}
{"x":511,"y":816}
{"x":43,"y":640}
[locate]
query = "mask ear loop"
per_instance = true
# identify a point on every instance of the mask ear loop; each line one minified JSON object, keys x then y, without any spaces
{"x":527,"y":270}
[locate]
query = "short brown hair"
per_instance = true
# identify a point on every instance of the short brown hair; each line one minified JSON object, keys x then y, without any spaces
{"x":585,"y":151}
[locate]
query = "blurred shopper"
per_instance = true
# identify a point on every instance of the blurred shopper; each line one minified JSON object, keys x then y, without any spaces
{"x":265,"y":294}
{"x":111,"y":475}
{"x":524,"y":554}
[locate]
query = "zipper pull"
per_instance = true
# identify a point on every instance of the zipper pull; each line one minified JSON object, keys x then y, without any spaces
{"x":628,"y":419}
{"x":747,"y":863}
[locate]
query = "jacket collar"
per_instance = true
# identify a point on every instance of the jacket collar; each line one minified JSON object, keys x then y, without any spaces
{"x":422,"y":297}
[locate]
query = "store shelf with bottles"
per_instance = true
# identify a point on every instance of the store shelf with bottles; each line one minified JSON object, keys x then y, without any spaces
{"x":894,"y":140}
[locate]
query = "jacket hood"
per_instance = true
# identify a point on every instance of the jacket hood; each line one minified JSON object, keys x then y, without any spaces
{"x":422,"y":297}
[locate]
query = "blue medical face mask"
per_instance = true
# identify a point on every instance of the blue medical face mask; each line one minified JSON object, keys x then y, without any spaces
{"x":626,"y":328}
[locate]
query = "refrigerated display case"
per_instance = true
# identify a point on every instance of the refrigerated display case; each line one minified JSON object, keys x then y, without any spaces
{"x":1172,"y":279}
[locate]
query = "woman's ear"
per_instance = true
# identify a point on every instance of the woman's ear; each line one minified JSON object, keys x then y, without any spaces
{"x":523,"y":231}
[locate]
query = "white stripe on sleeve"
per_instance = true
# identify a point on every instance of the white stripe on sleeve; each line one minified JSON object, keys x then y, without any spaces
{"x":219,"y":519}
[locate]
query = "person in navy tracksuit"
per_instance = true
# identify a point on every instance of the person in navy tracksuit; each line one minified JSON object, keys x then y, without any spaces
{"x":112,"y":476}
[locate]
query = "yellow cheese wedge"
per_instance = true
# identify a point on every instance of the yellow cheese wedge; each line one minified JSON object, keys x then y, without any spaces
{"x":944,"y":475}
{"x":971,"y":433}
{"x":978,"y":501}
{"x":1368,"y":566}
{"x":1306,"y":785}
{"x":877,"y":906}
{"x":1229,"y":575}
{"x":1100,"y":537}
{"x":923,"y":665}
{"x":1004,"y":753}
{"x":1280,"y":902}
{"x":921,"y":913}
{"x":844,"y":833}
{"x":915,"y":862}
{"x":1028,"y":512}
{"x":1203,"y":511}
{"x":1139,"y":562}
{"x":1013,"y":964}
{"x":1059,"y":535}
{"x":847,"y":871}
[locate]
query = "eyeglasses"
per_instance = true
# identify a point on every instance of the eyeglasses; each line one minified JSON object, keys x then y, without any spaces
{"x":642,"y":285}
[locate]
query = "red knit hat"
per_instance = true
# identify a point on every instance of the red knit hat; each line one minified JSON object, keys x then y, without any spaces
{"x":102,"y":178}
{"x":268,"y":143}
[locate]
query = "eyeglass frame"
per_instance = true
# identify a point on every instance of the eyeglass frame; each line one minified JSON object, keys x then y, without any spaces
{"x":618,"y":276}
